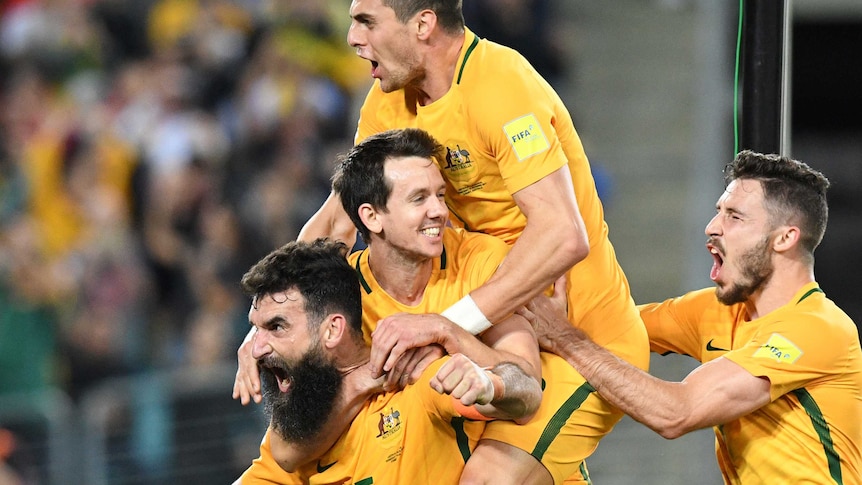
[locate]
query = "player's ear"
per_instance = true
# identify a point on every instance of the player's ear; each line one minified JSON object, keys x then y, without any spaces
{"x":426,"y":22}
{"x":332,"y":330}
{"x":785,"y":238}
{"x":371,"y":218}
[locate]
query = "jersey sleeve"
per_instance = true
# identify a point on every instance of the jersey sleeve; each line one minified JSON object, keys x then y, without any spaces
{"x":519,"y":113}
{"x":676,"y":324}
{"x":793,"y":351}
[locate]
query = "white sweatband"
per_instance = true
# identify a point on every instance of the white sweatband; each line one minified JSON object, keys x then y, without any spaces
{"x":468,"y":316}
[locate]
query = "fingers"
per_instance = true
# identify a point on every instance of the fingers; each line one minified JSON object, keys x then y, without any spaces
{"x":398,"y":376}
{"x":426,"y":355}
{"x":392,"y":338}
{"x":243,"y":390}
{"x":464,"y":380}
{"x":385,"y":352}
{"x":246,"y":386}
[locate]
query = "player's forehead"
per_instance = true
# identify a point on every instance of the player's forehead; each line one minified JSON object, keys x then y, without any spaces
{"x":742,"y":194}
{"x":369,"y":9}
{"x":286,"y":304}
{"x":403,"y":172}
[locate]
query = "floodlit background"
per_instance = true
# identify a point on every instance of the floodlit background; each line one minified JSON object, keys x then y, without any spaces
{"x":152,"y":150}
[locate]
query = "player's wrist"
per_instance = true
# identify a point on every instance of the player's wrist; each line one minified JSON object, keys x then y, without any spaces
{"x":498,"y":384}
{"x":467,"y":315}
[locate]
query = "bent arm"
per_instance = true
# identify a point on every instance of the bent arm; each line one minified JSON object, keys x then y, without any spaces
{"x":329,"y":221}
{"x":554,"y":240}
{"x":502,"y":392}
{"x":511,"y":340}
{"x":715,"y":393}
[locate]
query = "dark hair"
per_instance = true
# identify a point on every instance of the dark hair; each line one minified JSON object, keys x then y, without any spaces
{"x":319,"y":271}
{"x":359,"y":175}
{"x":450,"y":15}
{"x":794,"y":193}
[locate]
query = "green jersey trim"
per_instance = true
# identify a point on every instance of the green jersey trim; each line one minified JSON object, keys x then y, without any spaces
{"x":558,"y":420}
{"x":822,"y":429}
{"x":467,"y":56}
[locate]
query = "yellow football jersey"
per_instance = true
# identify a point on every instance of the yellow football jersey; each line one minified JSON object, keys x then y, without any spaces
{"x":504,"y":128}
{"x":467,"y":262}
{"x":414,"y":436}
{"x":809,"y":351}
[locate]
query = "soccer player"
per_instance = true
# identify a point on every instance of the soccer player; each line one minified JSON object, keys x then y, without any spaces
{"x":515,"y":168}
{"x":415,"y":262}
{"x":307,"y":309}
{"x":781,"y":379}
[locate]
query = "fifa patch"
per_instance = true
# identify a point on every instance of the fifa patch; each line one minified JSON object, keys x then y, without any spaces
{"x":526,"y":136}
{"x":780,"y":349}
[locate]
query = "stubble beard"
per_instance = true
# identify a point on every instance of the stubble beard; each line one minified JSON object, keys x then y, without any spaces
{"x":756,"y":267}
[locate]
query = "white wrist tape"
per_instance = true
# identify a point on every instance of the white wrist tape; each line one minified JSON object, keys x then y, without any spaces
{"x":467,"y":315}
{"x":487,"y":395}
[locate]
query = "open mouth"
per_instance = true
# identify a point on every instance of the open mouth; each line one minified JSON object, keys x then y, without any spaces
{"x":282,"y":378}
{"x":431,"y":231}
{"x":717,"y":262}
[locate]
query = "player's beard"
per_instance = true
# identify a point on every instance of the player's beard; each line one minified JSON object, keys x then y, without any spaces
{"x":300,"y":413}
{"x":756,"y":268}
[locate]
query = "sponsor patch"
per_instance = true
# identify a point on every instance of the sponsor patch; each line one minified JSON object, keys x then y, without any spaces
{"x":526,"y":136}
{"x":780,"y":349}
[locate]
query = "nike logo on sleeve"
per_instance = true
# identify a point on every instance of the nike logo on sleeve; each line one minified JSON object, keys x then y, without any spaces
{"x":711,"y":348}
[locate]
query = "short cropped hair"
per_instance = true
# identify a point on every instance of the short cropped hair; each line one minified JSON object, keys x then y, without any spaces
{"x":359,"y":176}
{"x":794,"y":193}
{"x":319,"y":271}
{"x":450,"y":15}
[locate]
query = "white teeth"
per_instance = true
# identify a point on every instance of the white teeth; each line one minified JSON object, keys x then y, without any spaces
{"x":431,"y":231}
{"x":713,"y":251}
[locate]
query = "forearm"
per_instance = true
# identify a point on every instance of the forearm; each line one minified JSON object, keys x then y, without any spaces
{"x":456,"y":340}
{"x":517,"y":395}
{"x":658,"y":404}
{"x":553,"y":240}
{"x":329,"y":221}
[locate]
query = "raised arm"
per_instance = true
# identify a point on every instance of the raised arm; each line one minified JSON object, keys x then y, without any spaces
{"x":553,"y":241}
{"x":329,"y":221}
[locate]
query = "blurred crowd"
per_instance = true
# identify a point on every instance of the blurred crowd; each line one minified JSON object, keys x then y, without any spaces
{"x":151,"y":151}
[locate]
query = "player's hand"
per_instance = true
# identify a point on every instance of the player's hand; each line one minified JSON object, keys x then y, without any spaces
{"x":410,"y":366}
{"x":464,"y":380}
{"x":246,"y":386}
{"x":547,"y":315}
{"x":398,"y":333}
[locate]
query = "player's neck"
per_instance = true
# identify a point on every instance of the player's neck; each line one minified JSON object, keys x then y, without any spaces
{"x":359,"y":383}
{"x":779,"y":290}
{"x":440,"y":62}
{"x":402,"y":277}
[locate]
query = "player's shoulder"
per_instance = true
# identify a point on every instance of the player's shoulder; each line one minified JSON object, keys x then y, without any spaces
{"x":491,"y":57}
{"x":460,"y":237}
